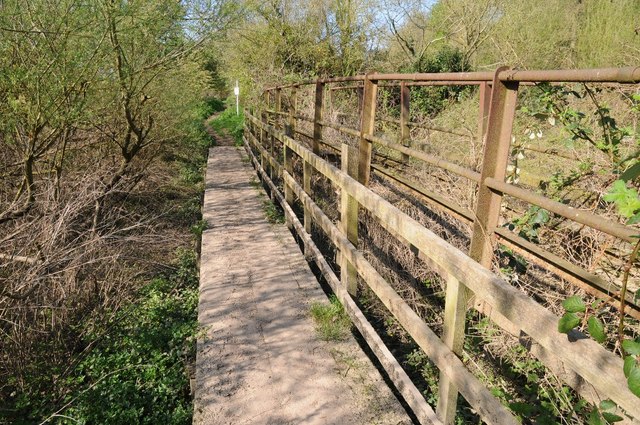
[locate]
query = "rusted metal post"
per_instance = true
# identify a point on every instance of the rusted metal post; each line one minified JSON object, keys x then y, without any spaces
{"x":405,"y":101}
{"x":360,"y":94}
{"x":367,"y":127}
{"x":317,"y":117}
{"x":494,"y":164}
{"x":485,"y":103}
{"x":349,"y":220}
{"x":290,"y":129}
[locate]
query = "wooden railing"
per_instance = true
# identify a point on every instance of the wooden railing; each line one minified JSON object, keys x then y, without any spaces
{"x":585,"y":365}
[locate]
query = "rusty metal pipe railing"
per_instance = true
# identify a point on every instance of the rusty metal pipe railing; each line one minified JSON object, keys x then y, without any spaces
{"x":599,"y":75}
{"x":609,"y":227}
{"x":427,"y":127}
{"x":341,"y":128}
{"x":602,"y":75}
{"x":430,"y":159}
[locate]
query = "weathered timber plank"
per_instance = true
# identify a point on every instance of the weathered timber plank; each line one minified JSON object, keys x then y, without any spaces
{"x":455,"y":309}
{"x":349,"y":219}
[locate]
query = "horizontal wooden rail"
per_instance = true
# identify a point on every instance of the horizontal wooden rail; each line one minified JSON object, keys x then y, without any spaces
{"x":521,"y":310}
{"x":589,"y":282}
{"x":429,"y":127}
{"x":429,"y":159}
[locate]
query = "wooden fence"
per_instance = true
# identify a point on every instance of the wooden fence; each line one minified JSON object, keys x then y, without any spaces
{"x":585,"y":365}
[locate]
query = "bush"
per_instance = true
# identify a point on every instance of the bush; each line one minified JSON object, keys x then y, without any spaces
{"x":432,"y":100}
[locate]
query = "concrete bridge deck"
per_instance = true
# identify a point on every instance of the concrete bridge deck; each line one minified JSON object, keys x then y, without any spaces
{"x":259,"y":360}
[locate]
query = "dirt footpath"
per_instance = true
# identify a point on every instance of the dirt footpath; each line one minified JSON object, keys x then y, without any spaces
{"x":259,"y":360}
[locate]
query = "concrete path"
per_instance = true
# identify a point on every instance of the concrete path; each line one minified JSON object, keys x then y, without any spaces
{"x":260,"y":361}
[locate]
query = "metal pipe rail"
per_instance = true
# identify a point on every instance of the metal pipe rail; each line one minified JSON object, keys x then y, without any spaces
{"x":628,"y":75}
{"x":609,"y":227}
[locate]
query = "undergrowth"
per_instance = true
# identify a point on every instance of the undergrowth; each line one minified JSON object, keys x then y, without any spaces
{"x":138,"y":371}
{"x":131,"y":361}
{"x":273,"y":212}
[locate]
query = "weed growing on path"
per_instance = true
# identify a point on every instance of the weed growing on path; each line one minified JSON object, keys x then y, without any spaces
{"x":332,"y":322}
{"x":273,"y":212}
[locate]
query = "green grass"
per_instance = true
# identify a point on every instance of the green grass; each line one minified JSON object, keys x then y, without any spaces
{"x":332,"y":322}
{"x":273,"y":213}
{"x":229,"y":122}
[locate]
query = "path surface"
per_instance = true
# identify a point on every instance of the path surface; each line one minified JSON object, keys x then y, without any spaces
{"x":260,"y":361}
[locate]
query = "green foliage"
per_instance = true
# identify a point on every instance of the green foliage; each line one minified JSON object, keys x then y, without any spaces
{"x":212,"y":105}
{"x":596,"y":329}
{"x":633,"y":380}
{"x":631,"y":347}
{"x":199,"y":228}
{"x":568,"y":322}
{"x":332,"y":322}
{"x":530,"y":223}
{"x":626,"y":200}
{"x":432,"y":100}
{"x":419,"y":361}
{"x":137,"y":373}
{"x":632,"y":364}
{"x":135,"y":368}
{"x":574,"y":304}
{"x":577,"y":312}
{"x":555,"y":103}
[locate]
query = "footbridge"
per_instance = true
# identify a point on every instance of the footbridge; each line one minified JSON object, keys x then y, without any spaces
{"x":418,"y":247}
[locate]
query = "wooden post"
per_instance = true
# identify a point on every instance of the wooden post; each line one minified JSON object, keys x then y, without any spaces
{"x":287,"y":163}
{"x":278,"y":108}
{"x":290,"y":129}
{"x":349,"y":220}
{"x":496,"y":152}
{"x":455,"y":309}
{"x":317,"y":117}
{"x":367,"y":127}
{"x":494,"y":164}
{"x":263,"y":133}
{"x":306,"y":185}
{"x":405,"y":136}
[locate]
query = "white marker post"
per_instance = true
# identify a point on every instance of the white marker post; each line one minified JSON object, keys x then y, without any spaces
{"x":236,"y":91}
